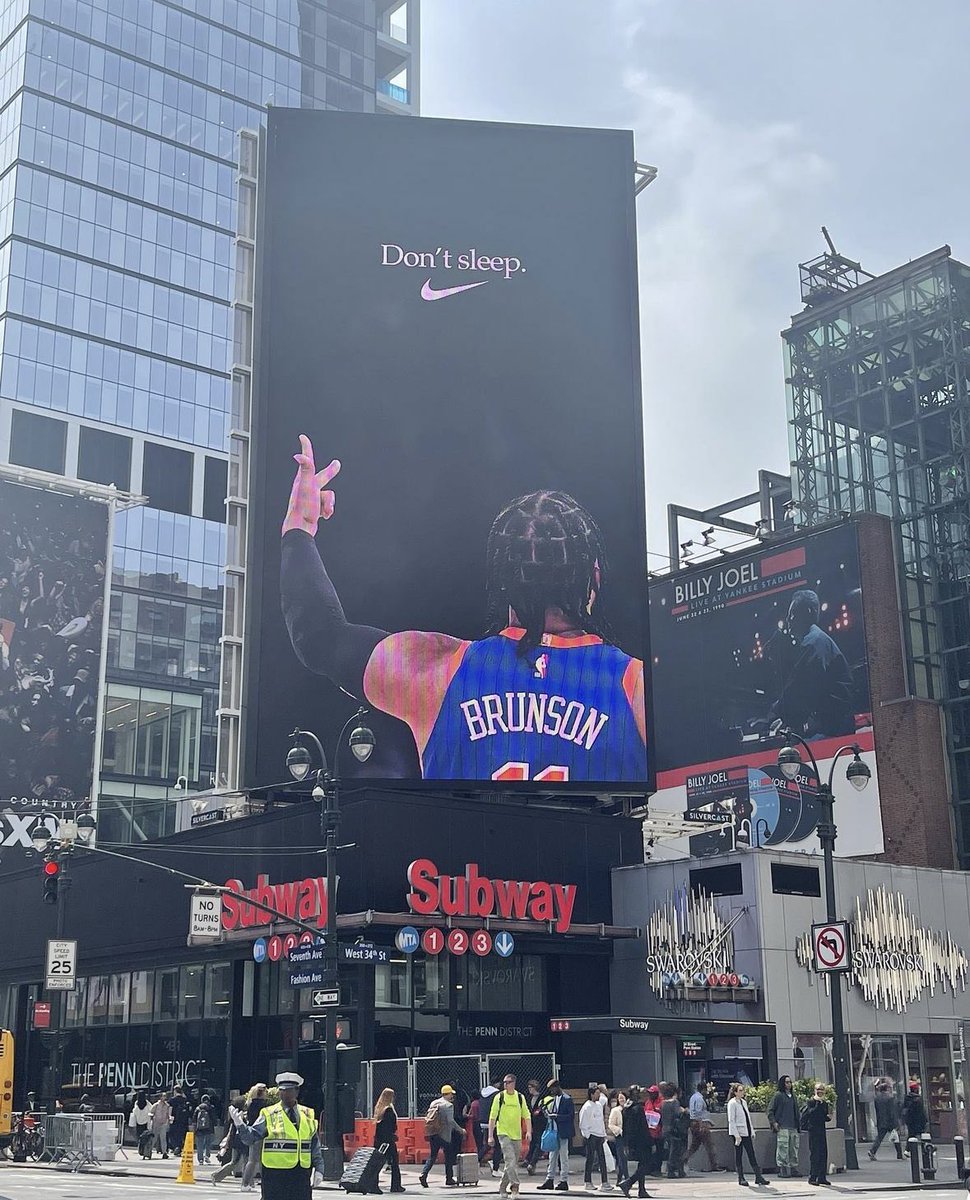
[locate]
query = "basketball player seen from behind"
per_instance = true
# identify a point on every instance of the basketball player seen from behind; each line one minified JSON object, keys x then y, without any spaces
{"x":545,"y":697}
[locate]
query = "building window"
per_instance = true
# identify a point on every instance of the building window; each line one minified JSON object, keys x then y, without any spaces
{"x":214,"y":489}
{"x":38,"y":442}
{"x":152,"y":733}
{"x":167,"y":478}
{"x":717,"y":881}
{"x":789,"y":880}
{"x":76,"y":1005}
{"x":142,"y":995}
{"x":104,"y":457}
{"x":118,"y":993}
{"x":218,"y":989}
{"x":191,"y":986}
{"x":98,"y":1000}
{"x":167,"y":994}
{"x":515,"y":985}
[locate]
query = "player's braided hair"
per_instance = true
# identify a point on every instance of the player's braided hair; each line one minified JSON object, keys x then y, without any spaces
{"x":542,"y":551}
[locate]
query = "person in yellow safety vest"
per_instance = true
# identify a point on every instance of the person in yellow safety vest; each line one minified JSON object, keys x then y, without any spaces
{"x":290,"y":1148}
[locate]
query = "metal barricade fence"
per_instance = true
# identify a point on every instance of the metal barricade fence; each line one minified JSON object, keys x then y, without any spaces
{"x":393,"y":1073}
{"x":523,"y":1066}
{"x":69,"y":1140}
{"x":462,"y":1071}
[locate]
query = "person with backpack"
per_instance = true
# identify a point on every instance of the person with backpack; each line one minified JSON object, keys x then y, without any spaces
{"x":511,"y":1121}
{"x":204,"y":1125}
{"x":653,"y":1115}
{"x":535,"y":1101}
{"x":440,"y":1129}
{"x":561,"y":1118}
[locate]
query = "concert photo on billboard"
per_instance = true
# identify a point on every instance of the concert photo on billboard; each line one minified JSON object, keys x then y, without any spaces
{"x":448,"y":515}
{"x":740,"y":644}
{"x":53,"y":552}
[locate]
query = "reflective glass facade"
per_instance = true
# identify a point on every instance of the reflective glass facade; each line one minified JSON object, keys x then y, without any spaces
{"x":118,"y":148}
{"x":879,"y":413}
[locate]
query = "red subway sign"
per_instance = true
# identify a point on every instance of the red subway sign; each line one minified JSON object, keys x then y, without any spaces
{"x":475,"y":895}
{"x":303,"y":899}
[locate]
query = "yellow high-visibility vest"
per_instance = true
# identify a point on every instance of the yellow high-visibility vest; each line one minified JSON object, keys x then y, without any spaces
{"x":286,"y":1146}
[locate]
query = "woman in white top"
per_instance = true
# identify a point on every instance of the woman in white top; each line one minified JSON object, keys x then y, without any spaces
{"x":592,"y":1127}
{"x":139,"y":1120}
{"x":614,"y":1133}
{"x":739,"y":1127}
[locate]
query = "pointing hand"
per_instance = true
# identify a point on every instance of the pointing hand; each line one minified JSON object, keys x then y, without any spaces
{"x":310,"y":498}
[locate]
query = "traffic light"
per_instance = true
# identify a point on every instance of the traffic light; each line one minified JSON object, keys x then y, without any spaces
{"x":52,"y":874}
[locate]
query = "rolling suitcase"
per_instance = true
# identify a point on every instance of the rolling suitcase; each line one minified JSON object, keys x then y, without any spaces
{"x":467,"y":1173}
{"x":362,"y":1172}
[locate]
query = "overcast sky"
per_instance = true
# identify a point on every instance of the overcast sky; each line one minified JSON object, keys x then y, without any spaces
{"x":766,"y":120}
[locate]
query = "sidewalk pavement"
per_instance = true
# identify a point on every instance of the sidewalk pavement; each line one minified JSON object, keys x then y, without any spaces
{"x":887,"y":1173}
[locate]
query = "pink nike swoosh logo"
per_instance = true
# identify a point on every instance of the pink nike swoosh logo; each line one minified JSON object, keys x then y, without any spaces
{"x":430,"y":293}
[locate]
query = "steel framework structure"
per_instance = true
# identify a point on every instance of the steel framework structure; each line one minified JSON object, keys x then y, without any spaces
{"x":878,"y":390}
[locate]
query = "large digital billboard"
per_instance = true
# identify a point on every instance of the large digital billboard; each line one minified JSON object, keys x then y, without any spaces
{"x":447,"y":508}
{"x":739,"y":643}
{"x":53,"y":554}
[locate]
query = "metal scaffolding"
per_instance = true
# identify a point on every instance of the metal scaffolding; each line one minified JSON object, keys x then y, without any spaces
{"x":878,"y":384}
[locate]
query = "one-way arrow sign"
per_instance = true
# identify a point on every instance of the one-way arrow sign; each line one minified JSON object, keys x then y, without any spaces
{"x":324,"y":997}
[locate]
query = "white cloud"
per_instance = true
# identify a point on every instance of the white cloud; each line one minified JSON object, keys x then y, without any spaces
{"x":720,"y":234}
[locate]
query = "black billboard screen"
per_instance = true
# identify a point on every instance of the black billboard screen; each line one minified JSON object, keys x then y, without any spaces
{"x":447,"y":434}
{"x":53,"y":550}
{"x":774,"y":634}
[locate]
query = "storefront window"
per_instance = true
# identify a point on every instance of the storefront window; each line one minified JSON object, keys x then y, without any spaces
{"x":392,"y":984}
{"x":142,"y":994}
{"x":218,"y":989}
{"x":191,"y":986}
{"x":812,"y":1056}
{"x":167,"y":994}
{"x":513,"y":985}
{"x":430,"y":984}
{"x":118,"y":989}
{"x":874,"y":1058}
{"x":76,"y":1001}
{"x":286,"y":996}
{"x":97,"y":999}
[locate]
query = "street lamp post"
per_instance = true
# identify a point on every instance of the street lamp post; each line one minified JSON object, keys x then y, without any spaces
{"x":858,"y":774}
{"x":326,"y":793}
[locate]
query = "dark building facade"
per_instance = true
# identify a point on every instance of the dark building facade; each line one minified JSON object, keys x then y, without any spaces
{"x":150,"y":1010}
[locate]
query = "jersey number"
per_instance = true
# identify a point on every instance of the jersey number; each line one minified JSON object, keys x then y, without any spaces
{"x":519,"y":772}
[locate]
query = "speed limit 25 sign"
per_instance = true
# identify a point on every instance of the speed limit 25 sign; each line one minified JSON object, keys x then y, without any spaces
{"x":61,"y":965}
{"x":832,"y":946}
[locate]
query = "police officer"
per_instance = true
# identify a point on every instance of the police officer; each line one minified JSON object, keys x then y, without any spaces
{"x":290,"y":1147}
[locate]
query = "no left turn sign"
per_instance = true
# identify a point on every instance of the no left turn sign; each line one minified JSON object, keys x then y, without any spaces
{"x":832,"y":946}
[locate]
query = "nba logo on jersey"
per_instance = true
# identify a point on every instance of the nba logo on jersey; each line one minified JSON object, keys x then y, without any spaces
{"x":542,"y":664}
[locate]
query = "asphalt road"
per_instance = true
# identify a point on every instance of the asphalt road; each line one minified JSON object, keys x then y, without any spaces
{"x":28,"y":1183}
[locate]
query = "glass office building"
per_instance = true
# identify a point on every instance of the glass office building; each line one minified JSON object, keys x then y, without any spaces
{"x":118,"y":148}
{"x":879,"y":413}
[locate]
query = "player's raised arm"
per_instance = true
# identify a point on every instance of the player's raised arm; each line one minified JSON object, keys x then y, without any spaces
{"x":406,"y":672}
{"x":322,"y":637}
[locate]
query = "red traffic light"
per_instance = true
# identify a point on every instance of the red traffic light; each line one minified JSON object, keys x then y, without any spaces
{"x":52,"y":868}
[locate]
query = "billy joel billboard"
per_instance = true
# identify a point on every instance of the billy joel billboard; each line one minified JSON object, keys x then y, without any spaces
{"x":448,"y":520}
{"x":53,"y":554}
{"x":738,"y":644}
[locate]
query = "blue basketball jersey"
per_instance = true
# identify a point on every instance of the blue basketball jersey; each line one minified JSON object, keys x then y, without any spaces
{"x":562,"y":713}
